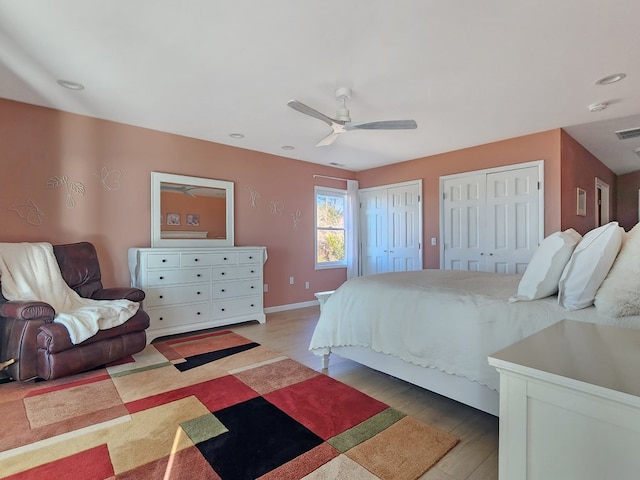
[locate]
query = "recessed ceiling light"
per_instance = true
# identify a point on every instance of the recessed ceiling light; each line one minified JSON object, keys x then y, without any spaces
{"x":236,"y":135}
{"x":70,"y":85}
{"x":616,"y":77}
{"x":288,"y":147}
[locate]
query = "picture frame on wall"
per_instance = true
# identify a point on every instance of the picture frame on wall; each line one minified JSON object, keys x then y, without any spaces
{"x":173,"y":219}
{"x":193,"y":220}
{"x":581,"y":202}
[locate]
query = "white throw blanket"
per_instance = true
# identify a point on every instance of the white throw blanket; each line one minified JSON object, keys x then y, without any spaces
{"x":30,"y":272}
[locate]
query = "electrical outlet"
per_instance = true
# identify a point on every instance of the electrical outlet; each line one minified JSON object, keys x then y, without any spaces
{"x":433,"y":241}
{"x":265,"y":288}
{"x":306,"y":285}
{"x":291,"y":281}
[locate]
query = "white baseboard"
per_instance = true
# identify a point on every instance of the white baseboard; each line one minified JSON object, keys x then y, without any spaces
{"x":291,"y":306}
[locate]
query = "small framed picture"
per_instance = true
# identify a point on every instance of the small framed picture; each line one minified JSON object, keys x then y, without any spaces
{"x":581,"y":202}
{"x":193,"y":220}
{"x":173,"y":219}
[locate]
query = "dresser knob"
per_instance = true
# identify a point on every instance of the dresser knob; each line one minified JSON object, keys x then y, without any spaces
{"x":161,"y":318}
{"x":161,"y":296}
{"x":195,"y":259}
{"x":252,"y":304}
{"x":222,"y":273}
{"x":253,"y":271}
{"x":161,"y":278}
{"x":252,"y":287}
{"x":197,"y":313}
{"x":224,"y":258}
{"x":250,"y":257}
{"x":197,"y":293}
{"x":222,"y":290}
{"x":164,"y":260}
{"x":198,"y":275}
{"x":222,"y":309}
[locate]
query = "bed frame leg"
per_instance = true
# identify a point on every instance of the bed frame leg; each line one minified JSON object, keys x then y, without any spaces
{"x":325,"y":361}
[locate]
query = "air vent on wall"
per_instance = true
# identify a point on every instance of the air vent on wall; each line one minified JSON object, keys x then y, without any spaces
{"x":629,"y":133}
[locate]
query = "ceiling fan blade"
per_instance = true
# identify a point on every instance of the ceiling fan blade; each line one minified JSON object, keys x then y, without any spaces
{"x":383,"y":125}
{"x":302,"y":108}
{"x":328,"y":140}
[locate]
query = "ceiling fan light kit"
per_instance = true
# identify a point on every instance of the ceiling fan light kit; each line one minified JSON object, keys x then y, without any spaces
{"x":342,"y":122}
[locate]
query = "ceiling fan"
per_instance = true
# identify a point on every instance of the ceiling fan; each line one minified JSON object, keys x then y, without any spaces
{"x":342,"y":123}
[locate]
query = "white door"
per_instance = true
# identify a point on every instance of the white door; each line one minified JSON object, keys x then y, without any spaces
{"x":391,"y":228}
{"x":403,"y":213}
{"x":463,"y":221}
{"x":491,"y":220}
{"x":512,"y":229}
{"x":373,"y":231}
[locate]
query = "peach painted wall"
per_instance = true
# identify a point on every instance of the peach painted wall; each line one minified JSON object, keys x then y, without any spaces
{"x":113,"y":162}
{"x":627,"y":187}
{"x":541,"y":146}
{"x":580,"y":169}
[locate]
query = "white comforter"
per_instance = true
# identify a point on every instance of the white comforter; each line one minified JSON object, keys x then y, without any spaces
{"x":444,"y":319}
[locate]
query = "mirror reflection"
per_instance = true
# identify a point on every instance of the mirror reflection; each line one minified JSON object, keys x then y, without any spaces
{"x":190,"y":211}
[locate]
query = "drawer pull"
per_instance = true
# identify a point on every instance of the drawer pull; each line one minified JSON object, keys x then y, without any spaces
{"x":164,"y":260}
{"x":197,"y":313}
{"x":252,"y":287}
{"x":224,"y":258}
{"x":160,"y":296}
{"x":222,"y":290}
{"x":195,"y":259}
{"x":252,"y":305}
{"x":222,"y":273}
{"x":253,"y":271}
{"x":161,"y":318}
{"x":250,"y":257}
{"x":161,"y":278}
{"x":197,"y":293}
{"x":222,"y":309}
{"x":198,"y":275}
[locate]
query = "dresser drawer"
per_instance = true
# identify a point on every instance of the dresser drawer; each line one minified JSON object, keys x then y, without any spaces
{"x":239,"y":271}
{"x":159,"y":296}
{"x":236,"y":289}
{"x":163,"y":260}
{"x":207,"y":259}
{"x":176,"y":316}
{"x":250,"y":257}
{"x":236,"y":306}
{"x":173,"y":277}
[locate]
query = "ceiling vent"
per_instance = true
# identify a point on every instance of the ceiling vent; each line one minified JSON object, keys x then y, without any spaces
{"x":629,"y":133}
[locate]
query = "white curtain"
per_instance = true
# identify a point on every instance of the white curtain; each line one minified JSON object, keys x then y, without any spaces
{"x":352,"y":228}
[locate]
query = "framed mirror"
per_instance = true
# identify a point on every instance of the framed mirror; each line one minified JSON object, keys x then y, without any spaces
{"x":190,"y":211}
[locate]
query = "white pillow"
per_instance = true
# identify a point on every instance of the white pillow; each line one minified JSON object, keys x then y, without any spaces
{"x":543,"y":273}
{"x":588,"y":266}
{"x":619,"y":294}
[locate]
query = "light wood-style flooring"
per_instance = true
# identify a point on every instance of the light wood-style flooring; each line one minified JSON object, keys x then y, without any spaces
{"x":474,"y":458}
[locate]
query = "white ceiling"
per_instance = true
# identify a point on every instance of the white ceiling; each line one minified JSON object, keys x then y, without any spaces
{"x":468,"y":72}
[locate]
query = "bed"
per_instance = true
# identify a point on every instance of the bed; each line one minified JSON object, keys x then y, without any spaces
{"x":436,"y":328}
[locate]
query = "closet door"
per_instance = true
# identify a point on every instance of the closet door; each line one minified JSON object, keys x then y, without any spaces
{"x":491,"y":220}
{"x":512,"y":220}
{"x":391,"y":228}
{"x":373,"y":231}
{"x":464,"y":212}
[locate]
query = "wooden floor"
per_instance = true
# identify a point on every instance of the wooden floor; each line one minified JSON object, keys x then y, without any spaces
{"x":474,"y":458}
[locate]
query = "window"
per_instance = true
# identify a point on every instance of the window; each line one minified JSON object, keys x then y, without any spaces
{"x":330,"y":227}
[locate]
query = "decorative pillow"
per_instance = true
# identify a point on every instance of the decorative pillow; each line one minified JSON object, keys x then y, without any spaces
{"x":591,"y":261}
{"x":619,"y":295}
{"x":543,"y":273}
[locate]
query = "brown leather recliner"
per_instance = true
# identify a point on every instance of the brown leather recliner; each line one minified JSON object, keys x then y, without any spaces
{"x":42,"y":348}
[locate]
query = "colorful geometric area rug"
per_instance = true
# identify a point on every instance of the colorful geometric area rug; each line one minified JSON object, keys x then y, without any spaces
{"x":210,"y":406}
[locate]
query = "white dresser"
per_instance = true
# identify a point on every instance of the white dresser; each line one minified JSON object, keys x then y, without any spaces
{"x":570,"y":404}
{"x":195,"y":288}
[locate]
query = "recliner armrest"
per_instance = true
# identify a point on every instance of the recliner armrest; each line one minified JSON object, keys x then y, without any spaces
{"x":116,"y":293}
{"x":23,"y":310}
